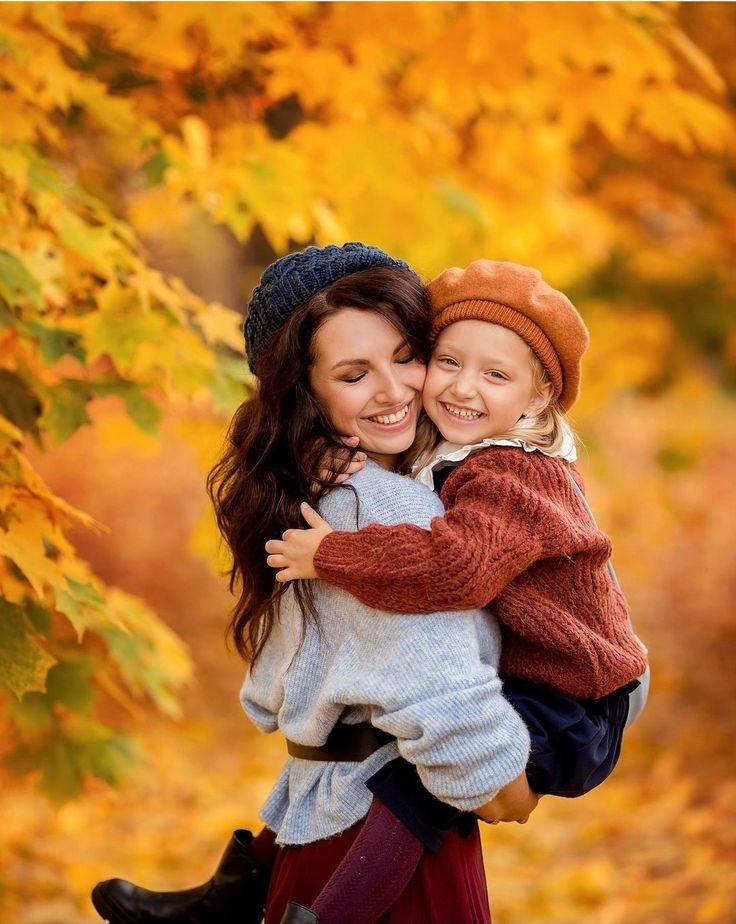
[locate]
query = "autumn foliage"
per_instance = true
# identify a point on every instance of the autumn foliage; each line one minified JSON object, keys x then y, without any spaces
{"x":153,"y":157}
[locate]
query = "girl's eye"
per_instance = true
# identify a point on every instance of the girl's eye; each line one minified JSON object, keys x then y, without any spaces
{"x":447,"y":361}
{"x":495,"y":374}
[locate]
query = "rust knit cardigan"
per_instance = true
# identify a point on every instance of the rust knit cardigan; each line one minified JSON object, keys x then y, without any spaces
{"x":516,"y":537}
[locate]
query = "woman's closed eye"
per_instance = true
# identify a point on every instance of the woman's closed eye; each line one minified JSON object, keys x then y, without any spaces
{"x":353,"y":377}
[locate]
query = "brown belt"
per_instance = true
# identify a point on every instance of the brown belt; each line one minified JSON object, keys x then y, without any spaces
{"x":344,"y":743}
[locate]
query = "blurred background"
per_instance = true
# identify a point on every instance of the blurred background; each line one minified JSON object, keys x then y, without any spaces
{"x":154,"y":158}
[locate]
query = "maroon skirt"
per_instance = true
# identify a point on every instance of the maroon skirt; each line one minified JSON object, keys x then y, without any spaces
{"x":448,"y":887}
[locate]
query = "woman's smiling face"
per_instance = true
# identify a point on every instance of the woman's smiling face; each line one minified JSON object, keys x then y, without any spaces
{"x":368,"y":381}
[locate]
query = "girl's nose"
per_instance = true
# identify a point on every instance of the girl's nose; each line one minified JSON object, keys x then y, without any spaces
{"x":463,"y":385}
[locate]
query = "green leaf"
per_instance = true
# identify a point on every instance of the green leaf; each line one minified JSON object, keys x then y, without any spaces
{"x":155,"y":167}
{"x":23,"y":663}
{"x":671,"y":458}
{"x":142,"y":668}
{"x":43,"y":178}
{"x":61,"y":774}
{"x":67,"y":411}
{"x":18,"y":403}
{"x":55,"y":342}
{"x":110,"y":758}
{"x":16,"y":281}
{"x":97,"y":244}
{"x":121,"y":326}
{"x":38,"y":616}
{"x":72,"y":609}
{"x":32,"y":713}
{"x":227,"y":393}
{"x":7,"y":318}
{"x":100,"y":750}
{"x":70,"y":683}
{"x":144,"y":412}
{"x":85,"y":593}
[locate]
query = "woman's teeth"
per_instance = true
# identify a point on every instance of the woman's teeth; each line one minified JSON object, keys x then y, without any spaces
{"x":462,"y":413}
{"x":391,"y":418}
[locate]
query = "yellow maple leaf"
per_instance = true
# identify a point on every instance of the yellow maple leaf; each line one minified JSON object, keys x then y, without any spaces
{"x":221,"y":325}
{"x":29,"y":540}
{"x":37,"y":486}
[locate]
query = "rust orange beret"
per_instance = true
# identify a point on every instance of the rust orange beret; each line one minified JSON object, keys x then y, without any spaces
{"x":516,"y":297}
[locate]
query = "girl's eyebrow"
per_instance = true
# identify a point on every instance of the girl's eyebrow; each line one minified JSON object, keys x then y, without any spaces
{"x":364,"y":362}
{"x":486,"y":361}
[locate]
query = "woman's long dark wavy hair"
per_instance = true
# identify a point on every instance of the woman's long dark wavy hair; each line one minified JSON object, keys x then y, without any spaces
{"x":277,"y":441}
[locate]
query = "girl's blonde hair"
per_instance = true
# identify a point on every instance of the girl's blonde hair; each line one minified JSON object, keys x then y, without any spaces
{"x":548,"y":431}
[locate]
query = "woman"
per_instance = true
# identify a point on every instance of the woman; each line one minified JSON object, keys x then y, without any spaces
{"x":337,"y":338}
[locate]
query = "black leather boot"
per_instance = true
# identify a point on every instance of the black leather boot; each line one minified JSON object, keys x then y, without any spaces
{"x":236,"y":894}
{"x":298,"y":914}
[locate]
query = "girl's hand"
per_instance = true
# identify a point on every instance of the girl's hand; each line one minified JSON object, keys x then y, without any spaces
{"x":294,"y":553}
{"x":515,"y":802}
{"x":338,"y":466}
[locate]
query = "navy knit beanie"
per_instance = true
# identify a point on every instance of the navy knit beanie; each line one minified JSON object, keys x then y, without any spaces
{"x":295,"y":278}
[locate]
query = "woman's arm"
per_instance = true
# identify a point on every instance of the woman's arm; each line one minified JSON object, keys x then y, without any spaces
{"x":515,"y":802}
{"x":430,"y":681}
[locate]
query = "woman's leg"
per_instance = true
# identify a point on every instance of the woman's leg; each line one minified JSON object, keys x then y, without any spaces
{"x":404,"y":819}
{"x":373,"y":873}
{"x":448,"y":886}
{"x":300,"y":872}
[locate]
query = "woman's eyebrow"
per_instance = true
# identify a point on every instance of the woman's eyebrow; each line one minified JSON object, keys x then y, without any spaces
{"x":365,"y":362}
{"x":350,"y":362}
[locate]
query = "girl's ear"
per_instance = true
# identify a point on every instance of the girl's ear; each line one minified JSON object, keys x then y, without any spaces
{"x":539,"y":401}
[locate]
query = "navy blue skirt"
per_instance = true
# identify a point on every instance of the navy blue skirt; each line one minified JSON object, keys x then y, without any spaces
{"x":575,"y":744}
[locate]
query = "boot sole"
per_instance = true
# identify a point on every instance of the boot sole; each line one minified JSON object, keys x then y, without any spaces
{"x":108,"y":911}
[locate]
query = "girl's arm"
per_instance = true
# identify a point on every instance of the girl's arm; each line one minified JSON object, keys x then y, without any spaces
{"x":496,"y":526}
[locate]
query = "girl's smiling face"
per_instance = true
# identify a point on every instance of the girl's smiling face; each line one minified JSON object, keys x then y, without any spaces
{"x":368,"y":381}
{"x":480,"y":382}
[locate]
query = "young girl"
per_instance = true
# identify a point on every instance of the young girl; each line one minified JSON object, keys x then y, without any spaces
{"x":516,"y":536}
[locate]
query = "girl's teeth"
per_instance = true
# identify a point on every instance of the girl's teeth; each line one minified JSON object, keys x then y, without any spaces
{"x":465,"y":415}
{"x":391,"y":418}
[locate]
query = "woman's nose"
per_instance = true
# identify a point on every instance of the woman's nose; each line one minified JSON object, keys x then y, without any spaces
{"x":392,"y":391}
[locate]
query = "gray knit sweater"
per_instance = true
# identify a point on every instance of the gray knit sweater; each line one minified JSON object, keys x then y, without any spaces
{"x":428,"y":680}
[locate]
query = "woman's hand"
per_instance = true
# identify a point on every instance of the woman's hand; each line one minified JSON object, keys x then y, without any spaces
{"x":294,"y":553}
{"x":515,"y":802}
